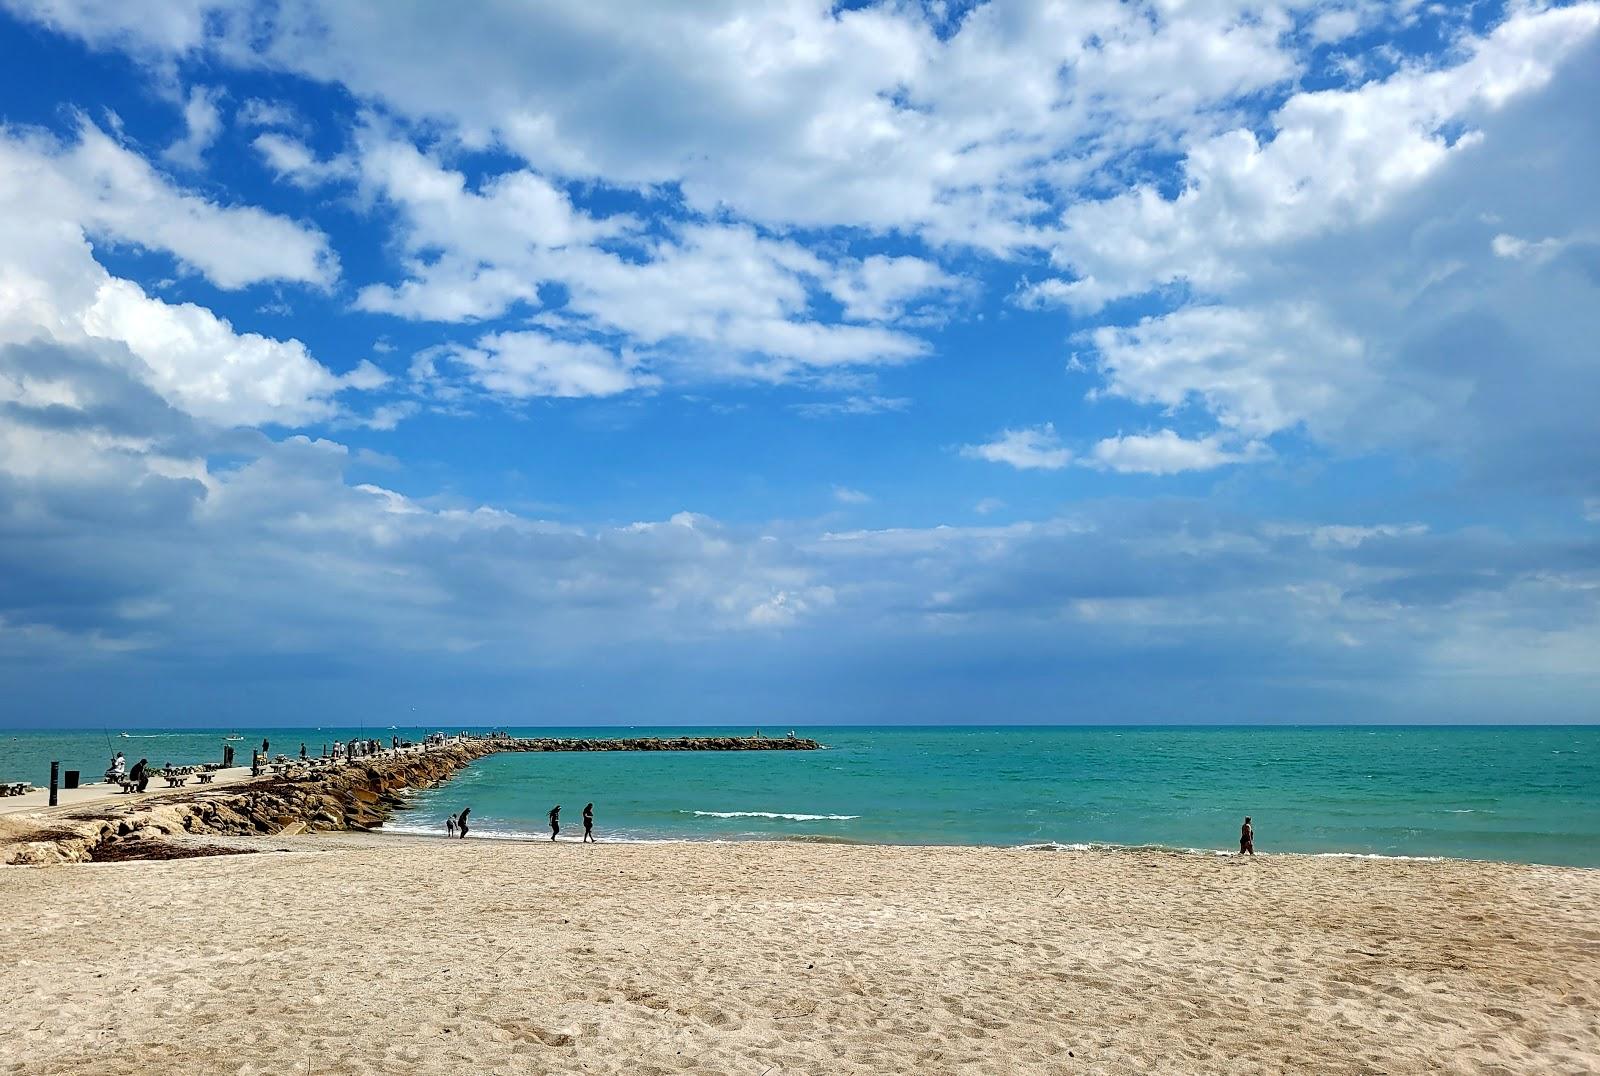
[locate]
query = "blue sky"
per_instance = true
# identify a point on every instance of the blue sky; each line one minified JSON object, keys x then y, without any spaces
{"x":1011,"y":361}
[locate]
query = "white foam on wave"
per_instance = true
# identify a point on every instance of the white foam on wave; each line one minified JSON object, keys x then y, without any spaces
{"x":1374,"y":855}
{"x":1057,"y":846}
{"x":776,"y":814}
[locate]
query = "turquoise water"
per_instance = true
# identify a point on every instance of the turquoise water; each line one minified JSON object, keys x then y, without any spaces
{"x":1517,"y":794}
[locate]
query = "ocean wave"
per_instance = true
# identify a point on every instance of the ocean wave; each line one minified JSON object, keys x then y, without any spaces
{"x":1373,"y":855}
{"x":775,"y":814}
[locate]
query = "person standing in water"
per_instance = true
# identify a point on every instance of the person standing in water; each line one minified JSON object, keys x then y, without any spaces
{"x":555,"y":821}
{"x":588,"y":823}
{"x":461,"y":822}
{"x":1247,"y":838}
{"x":449,"y":825}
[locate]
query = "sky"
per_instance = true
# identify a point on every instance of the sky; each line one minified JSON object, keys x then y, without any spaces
{"x":799,"y":363}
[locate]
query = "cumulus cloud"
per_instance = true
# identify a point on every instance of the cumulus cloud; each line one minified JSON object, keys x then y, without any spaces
{"x":964,"y":127}
{"x":109,"y":191}
{"x":52,"y":290}
{"x":1164,"y":452}
{"x":1335,"y":158}
{"x":523,"y":364}
{"x":1032,"y":448}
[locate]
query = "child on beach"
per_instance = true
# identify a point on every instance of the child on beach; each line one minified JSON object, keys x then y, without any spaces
{"x":555,"y":821}
{"x":588,"y":823}
{"x":1247,"y":838}
{"x":450,"y":826}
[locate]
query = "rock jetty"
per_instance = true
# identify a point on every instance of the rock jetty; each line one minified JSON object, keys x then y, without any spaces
{"x":355,"y":796}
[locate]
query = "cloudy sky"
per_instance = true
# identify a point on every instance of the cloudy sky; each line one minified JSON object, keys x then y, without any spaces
{"x":789,"y":363}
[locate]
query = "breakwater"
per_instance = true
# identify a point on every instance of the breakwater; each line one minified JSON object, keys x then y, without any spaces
{"x":307,"y":797}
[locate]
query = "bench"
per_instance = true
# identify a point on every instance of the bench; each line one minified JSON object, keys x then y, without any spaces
{"x":175,"y":780}
{"x":206,"y":778}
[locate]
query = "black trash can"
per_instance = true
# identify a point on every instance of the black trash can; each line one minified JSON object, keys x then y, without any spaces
{"x":69,"y":779}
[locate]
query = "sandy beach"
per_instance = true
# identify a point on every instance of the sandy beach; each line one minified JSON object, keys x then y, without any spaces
{"x":371,"y":953}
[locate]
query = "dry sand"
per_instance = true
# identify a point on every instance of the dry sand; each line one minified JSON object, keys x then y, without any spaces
{"x":385,"y":955}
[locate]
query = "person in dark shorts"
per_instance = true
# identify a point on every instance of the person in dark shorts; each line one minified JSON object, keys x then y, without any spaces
{"x":1247,"y":838}
{"x":461,"y":822}
{"x":588,"y":823}
{"x":555,"y":821}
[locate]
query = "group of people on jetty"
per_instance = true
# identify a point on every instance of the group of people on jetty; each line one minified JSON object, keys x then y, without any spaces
{"x":456,"y":825}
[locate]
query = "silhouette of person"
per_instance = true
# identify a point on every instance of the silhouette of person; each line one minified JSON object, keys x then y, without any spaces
{"x":461,"y":822}
{"x":1247,"y":838}
{"x":555,"y":821}
{"x":588,"y":823}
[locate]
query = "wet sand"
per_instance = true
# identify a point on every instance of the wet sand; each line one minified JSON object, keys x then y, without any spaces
{"x":368,"y":954}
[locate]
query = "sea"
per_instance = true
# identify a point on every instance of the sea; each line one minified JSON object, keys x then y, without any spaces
{"x":1519,"y":794}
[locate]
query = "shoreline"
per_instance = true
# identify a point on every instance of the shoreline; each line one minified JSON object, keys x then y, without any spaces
{"x":479,"y":833}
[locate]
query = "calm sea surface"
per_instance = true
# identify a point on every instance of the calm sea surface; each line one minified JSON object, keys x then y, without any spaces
{"x":1519,"y":794}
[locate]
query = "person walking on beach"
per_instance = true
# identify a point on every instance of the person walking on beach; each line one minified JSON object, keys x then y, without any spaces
{"x":461,"y":823}
{"x":555,"y":821}
{"x":588,"y":823}
{"x":1247,"y":838}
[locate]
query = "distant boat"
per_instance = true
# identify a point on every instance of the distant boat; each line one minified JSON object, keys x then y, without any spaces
{"x":230,"y":736}
{"x":125,"y":736}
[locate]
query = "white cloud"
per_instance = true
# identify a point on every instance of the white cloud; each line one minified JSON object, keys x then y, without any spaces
{"x":202,"y":122}
{"x":1335,"y":158}
{"x":1257,"y":371}
{"x":198,"y":362}
{"x":526,"y":364}
{"x":112,"y":193}
{"x":894,"y":118}
{"x":143,"y":26}
{"x":256,"y":112}
{"x":1027,"y":449}
{"x":1509,"y":246}
{"x":52,"y":291}
{"x":291,"y":159}
{"x":1164,"y":452}
{"x":846,"y":495}
{"x":879,"y":288}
